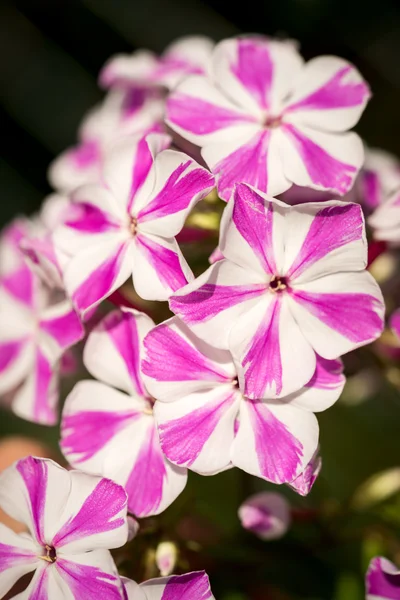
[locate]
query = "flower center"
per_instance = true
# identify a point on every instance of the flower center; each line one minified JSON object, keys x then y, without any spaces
{"x":278,"y":284}
{"x":51,"y":554}
{"x":272,"y":122}
{"x":133,"y":225}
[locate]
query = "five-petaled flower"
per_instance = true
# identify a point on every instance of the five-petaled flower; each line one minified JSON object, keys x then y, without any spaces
{"x":292,"y":285}
{"x":206,"y":424}
{"x":265,"y":118}
{"x":127,"y":227}
{"x":113,"y":432}
{"x":73,"y":519}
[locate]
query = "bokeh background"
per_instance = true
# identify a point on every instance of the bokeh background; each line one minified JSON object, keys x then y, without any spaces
{"x":50,"y":54}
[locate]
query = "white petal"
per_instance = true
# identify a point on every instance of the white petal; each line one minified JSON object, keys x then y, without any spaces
{"x":18,"y":556}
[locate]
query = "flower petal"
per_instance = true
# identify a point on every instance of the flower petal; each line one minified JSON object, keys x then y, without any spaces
{"x":18,"y":556}
{"x":275,"y":356}
{"x":329,"y":94}
{"x":180,"y":184}
{"x":212,"y":303}
{"x":177,"y":363}
{"x":382,"y":580}
{"x":323,"y":389}
{"x":62,"y":328}
{"x":93,"y":274}
{"x":114,"y":347}
{"x":15,"y":362}
{"x":274,"y":441}
{"x":305,"y":481}
{"x":198,"y":430}
{"x":319,"y":160}
{"x":159,"y":267}
{"x":331,"y":309}
{"x":266,"y":514}
{"x":195,"y":586}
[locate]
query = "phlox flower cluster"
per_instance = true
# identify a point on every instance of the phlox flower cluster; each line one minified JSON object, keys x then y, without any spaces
{"x":254,"y":344}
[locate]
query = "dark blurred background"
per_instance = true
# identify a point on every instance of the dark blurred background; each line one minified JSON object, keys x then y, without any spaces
{"x":51,"y":52}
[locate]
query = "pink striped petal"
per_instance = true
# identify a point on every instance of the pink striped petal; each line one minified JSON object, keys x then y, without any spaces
{"x":76,"y":166}
{"x":324,"y":237}
{"x":275,"y":357}
{"x":93,"y":274}
{"x":127,"y":70}
{"x":62,"y":327}
{"x":329,"y":94}
{"x":159,"y":267}
{"x":180,"y":184}
{"x":199,"y":112}
{"x":305,"y":481}
{"x":274,"y":441}
{"x":15,"y":362}
{"x":395,"y":322}
{"x":195,"y":586}
{"x":324,"y":387}
{"x":266,"y":514}
{"x":213,"y":302}
{"x":321,"y":160}
{"x":331,"y":310}
{"x":385,"y":220}
{"x":20,"y":284}
{"x":382,"y":580}
{"x":250,"y":231}
{"x":43,"y":259}
{"x":177,"y":363}
{"x":37,"y":398}
{"x":92,"y":575}
{"x":198,"y":430}
{"x":114,"y":349}
{"x":18,"y":556}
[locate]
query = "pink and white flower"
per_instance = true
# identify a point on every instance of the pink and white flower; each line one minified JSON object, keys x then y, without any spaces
{"x":121,"y":114}
{"x":385,"y":220}
{"x":206,"y":424}
{"x":382,"y":580}
{"x":378,"y":178}
{"x":266,"y":514}
{"x":264,"y":117}
{"x":292,"y":285}
{"x":127,"y":227}
{"x":186,"y":56}
{"x":112,"y":432}
{"x":193,"y":586}
{"x":305,"y":481}
{"x":73,"y":519}
{"x":36,"y":328}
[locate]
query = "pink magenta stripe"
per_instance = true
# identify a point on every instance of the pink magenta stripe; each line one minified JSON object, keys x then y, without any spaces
{"x":371,"y":193}
{"x":85,"y":155}
{"x":133,"y":100}
{"x":124,"y":335}
{"x":395,"y":322}
{"x":164,"y":261}
{"x":40,"y":590}
{"x":87,"y":582}
{"x":98,"y":514}
{"x":193,"y":586}
{"x":34,"y":473}
{"x":201,"y":117}
{"x":254,"y":69}
{"x":247,"y":164}
{"x":85,"y":433}
{"x":352,"y":315}
{"x":171,"y":358}
{"x":143,"y":161}
{"x":323,"y":169}
{"x":44,"y":394}
{"x":66,"y":329}
{"x":99,"y":283}
{"x":178,"y":192}
{"x":263,"y":361}
{"x":148,"y":476}
{"x":253,"y":218}
{"x":332,"y":227}
{"x":183,"y":439}
{"x":210,"y":299}
{"x":9,"y":352}
{"x":382,"y":584}
{"x":328,"y":374}
{"x":11,"y":556}
{"x":88,"y":218}
{"x":279,"y":453}
{"x":337,"y":92}
{"x":20,"y":284}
